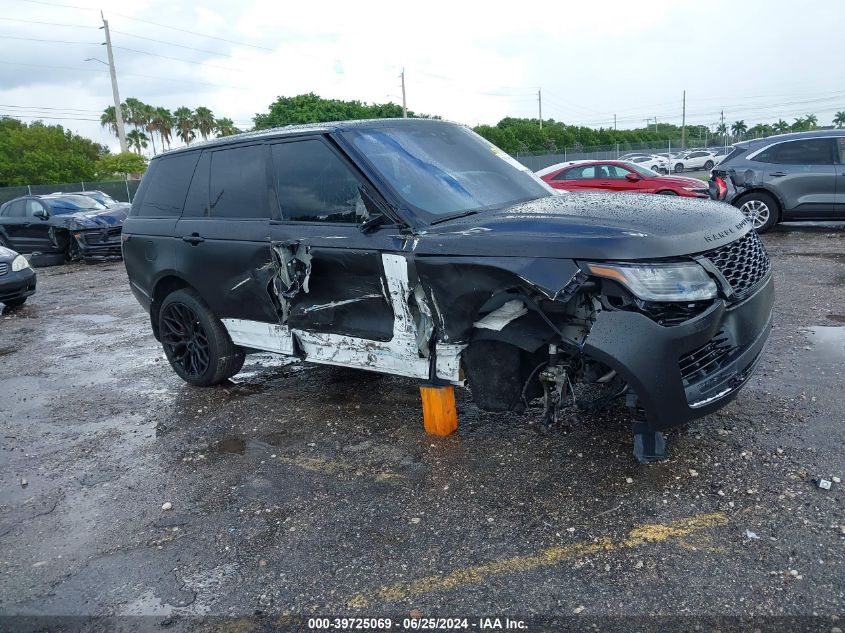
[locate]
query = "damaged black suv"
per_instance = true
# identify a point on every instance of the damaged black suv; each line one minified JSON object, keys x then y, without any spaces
{"x":415,"y":247}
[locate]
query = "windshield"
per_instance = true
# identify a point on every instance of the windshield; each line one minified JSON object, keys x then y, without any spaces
{"x":73,"y":204}
{"x":445,"y":169}
{"x":642,"y":171}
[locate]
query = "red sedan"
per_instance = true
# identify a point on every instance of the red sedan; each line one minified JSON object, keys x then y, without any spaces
{"x":619,"y":175}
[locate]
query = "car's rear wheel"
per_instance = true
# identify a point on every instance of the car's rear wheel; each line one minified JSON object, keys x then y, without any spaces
{"x":44,"y":260}
{"x":708,"y":165}
{"x":667,"y":192}
{"x":679,"y":168}
{"x":195,"y":342}
{"x":15,"y":303}
{"x":760,"y":208}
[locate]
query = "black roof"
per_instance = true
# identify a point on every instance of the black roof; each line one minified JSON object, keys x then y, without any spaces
{"x":304,"y":128}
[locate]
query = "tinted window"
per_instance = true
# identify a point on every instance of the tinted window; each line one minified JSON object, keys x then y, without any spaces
{"x":840,"y":146}
{"x":804,"y":152}
{"x":314,"y":184}
{"x":167,"y":185}
{"x":16,"y":209}
{"x":32,"y":206}
{"x":238,"y":183}
{"x":578,"y":173}
{"x":616,"y":172}
{"x":196,"y":204}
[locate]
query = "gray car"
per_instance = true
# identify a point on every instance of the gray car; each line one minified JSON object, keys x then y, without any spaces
{"x":785,"y":178}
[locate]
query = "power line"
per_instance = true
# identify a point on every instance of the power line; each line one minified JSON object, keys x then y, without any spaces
{"x":7,"y":105}
{"x":73,"y":26}
{"x":17,"y":115}
{"x":34,"y":39}
{"x":190,"y":48}
{"x":178,"y":59}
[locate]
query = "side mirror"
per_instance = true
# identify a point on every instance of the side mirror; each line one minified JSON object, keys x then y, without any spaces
{"x":41,"y":214}
{"x":631,"y":177}
{"x":373,"y":222}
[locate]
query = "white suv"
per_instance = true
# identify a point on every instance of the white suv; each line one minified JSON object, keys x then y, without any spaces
{"x":697,"y":159}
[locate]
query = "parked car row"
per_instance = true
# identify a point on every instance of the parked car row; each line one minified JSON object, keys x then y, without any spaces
{"x":619,"y":175}
{"x":63,"y":226}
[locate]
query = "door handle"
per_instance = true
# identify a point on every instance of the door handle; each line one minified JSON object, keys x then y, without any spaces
{"x":193,"y":239}
{"x":778,"y":174}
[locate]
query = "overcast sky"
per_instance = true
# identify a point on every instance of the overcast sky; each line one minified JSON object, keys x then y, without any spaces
{"x":469,"y":62}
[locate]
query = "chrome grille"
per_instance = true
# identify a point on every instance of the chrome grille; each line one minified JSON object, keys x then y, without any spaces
{"x":710,"y":357}
{"x":4,"y":268}
{"x":743,"y":262}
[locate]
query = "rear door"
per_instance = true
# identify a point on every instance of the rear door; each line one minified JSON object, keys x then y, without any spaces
{"x":802,"y":173}
{"x":839,"y":155}
{"x":222,"y":238}
{"x":577,"y":178}
{"x":14,"y":221}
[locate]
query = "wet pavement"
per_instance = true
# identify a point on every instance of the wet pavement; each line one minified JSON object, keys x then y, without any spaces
{"x":313,"y":490}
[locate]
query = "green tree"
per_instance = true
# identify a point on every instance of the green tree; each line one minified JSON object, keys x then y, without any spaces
{"x":226,"y":127}
{"x":839,"y":119}
{"x":163,"y":123}
{"x":36,"y":153}
{"x":738,"y":128}
{"x":311,"y":108}
{"x":812,"y":120}
{"x":204,"y":122}
{"x":148,"y":118}
{"x":800,"y":125}
{"x":137,"y":139}
{"x":120,"y":165}
{"x":722,"y":129}
{"x":184,"y":118}
{"x":781,"y":126}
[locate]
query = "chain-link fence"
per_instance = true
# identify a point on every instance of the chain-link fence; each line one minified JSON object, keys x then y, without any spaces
{"x":120,"y":190}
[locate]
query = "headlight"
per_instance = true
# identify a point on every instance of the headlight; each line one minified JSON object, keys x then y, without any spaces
{"x":19,"y":263}
{"x":660,"y":282}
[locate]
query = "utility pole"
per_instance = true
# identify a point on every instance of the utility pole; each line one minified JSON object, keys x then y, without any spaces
{"x":725,"y":134}
{"x":118,"y":114}
{"x":540,"y":105}
{"x":614,"y":122}
{"x":684,"y":123}
{"x":404,"y":106}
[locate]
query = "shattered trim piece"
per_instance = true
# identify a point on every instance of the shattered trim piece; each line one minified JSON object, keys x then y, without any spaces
{"x":448,"y":363}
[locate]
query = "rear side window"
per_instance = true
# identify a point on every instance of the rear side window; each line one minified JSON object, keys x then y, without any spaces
{"x":166,"y":186}
{"x":816,"y":151}
{"x":314,"y":184}
{"x":578,"y":173}
{"x":735,"y":152}
{"x":840,"y":149}
{"x":16,"y":209}
{"x":238,"y":183}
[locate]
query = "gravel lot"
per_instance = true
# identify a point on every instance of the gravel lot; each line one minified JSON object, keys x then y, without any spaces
{"x":313,"y":490}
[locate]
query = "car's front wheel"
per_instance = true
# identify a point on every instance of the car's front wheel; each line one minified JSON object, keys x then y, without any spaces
{"x":195,"y":342}
{"x":679,"y":168}
{"x":760,"y":208}
{"x":708,"y":165}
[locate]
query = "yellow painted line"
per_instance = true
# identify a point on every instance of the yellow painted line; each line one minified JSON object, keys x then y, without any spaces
{"x":640,"y":535}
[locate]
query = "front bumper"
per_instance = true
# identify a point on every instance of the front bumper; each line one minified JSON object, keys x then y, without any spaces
{"x":99,"y":243}
{"x":722,"y":346}
{"x":17,"y":285}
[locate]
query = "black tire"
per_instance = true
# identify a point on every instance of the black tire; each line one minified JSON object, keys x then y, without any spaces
{"x":15,"y":303}
{"x":752,"y":206}
{"x":708,"y":165}
{"x":195,"y":342}
{"x":43,"y":260}
{"x":679,"y":168}
{"x":667,"y":192}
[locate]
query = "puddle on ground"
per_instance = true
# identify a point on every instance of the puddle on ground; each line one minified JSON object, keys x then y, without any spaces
{"x":828,"y":343}
{"x":838,"y":318}
{"x":232,"y":445}
{"x":5,"y":351}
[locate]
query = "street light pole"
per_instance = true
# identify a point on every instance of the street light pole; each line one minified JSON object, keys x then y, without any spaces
{"x":118,"y":114}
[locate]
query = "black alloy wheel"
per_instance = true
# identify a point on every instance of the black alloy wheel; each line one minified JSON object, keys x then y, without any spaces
{"x":185,"y":339}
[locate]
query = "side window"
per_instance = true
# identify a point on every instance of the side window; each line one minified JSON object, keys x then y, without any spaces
{"x":840,"y":150}
{"x":815,"y":151}
{"x":314,"y":184}
{"x":196,"y":204}
{"x":617,"y":172}
{"x":164,"y":196}
{"x":16,"y":209}
{"x":238,"y":183}
{"x":32,"y":206}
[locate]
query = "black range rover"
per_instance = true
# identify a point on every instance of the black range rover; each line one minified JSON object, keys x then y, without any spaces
{"x":415,"y":247}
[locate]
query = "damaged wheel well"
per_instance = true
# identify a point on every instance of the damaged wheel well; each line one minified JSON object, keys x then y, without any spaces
{"x":164,"y":287}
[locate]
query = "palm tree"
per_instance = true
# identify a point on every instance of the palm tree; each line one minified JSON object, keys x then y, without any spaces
{"x":722,"y":130}
{"x":164,"y":124}
{"x":839,"y":119}
{"x":109,"y":120}
{"x":147,"y":115}
{"x":738,"y":128}
{"x":781,"y":126}
{"x":184,"y":119}
{"x":799,"y":125}
{"x":204,"y":122}
{"x":135,"y":110}
{"x":811,"y":120}
{"x":226,"y":127}
{"x":137,"y":139}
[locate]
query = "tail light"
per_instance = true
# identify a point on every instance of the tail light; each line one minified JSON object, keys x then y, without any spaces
{"x":721,"y":191}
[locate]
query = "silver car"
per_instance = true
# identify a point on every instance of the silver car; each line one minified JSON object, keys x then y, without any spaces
{"x":785,"y":178}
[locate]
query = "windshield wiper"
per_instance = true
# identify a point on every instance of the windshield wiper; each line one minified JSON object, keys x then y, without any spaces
{"x":454,"y":216}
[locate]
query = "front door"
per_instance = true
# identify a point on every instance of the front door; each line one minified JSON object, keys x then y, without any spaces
{"x":803,"y":174}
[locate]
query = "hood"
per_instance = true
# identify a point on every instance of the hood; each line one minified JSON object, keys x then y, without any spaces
{"x":606,"y":226}
{"x":112,"y":216}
